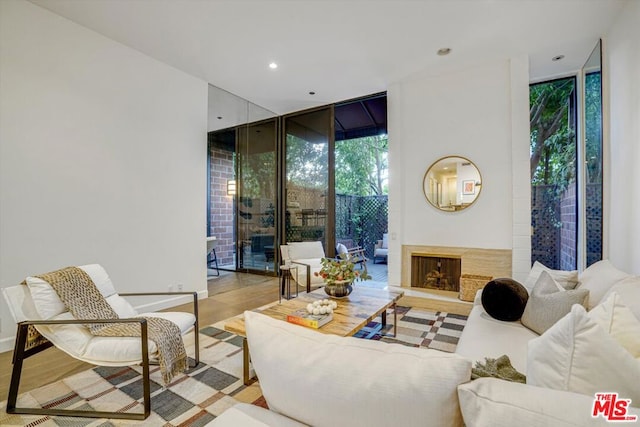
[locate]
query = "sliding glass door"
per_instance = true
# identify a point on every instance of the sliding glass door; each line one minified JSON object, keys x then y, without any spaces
{"x":257,"y":191}
{"x":309,"y":178}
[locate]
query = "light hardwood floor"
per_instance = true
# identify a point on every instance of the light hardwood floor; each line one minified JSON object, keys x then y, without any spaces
{"x":229,"y":295}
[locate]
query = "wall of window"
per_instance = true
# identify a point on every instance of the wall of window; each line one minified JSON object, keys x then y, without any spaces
{"x":566,"y":169}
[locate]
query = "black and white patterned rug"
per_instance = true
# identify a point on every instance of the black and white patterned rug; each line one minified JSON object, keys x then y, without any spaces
{"x":204,"y":392}
{"x":419,"y":327}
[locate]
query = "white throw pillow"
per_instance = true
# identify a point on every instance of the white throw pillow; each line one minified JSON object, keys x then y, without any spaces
{"x":629,"y":290}
{"x":566,"y":279}
{"x":46,"y":300}
{"x":325,"y":380}
{"x":385,"y":241}
{"x":598,"y":278}
{"x":491,"y":402}
{"x":341,"y":249}
{"x":619,"y":322}
{"x":577,"y":355}
{"x":549,"y":302}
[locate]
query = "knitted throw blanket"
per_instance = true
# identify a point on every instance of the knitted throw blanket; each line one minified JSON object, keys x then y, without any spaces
{"x":497,"y":368}
{"x":83,"y":299}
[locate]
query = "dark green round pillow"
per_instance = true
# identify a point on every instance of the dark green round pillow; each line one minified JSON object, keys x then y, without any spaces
{"x":504,"y":299}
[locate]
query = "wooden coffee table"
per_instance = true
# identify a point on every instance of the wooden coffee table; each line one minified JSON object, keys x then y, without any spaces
{"x":353,"y":313}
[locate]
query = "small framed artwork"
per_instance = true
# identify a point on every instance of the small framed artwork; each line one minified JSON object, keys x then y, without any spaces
{"x":468,"y":187}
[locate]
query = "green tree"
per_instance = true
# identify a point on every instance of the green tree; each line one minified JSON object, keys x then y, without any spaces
{"x":593,"y":126}
{"x":307,"y":164}
{"x":552,"y":136}
{"x":361,"y":166}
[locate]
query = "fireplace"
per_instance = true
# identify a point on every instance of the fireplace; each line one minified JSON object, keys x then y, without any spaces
{"x":436,"y":272}
{"x":477,"y":261}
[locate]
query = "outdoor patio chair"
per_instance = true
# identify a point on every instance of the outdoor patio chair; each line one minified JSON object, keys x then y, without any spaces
{"x":356,"y":254}
{"x":381,"y":248}
{"x":43,"y":321}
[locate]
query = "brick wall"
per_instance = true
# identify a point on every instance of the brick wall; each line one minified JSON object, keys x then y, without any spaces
{"x":568,"y":230}
{"x":221,"y":208}
{"x":554,"y":223}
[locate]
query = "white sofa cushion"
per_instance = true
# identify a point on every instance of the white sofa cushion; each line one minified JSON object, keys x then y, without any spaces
{"x":598,"y":278}
{"x":483,"y":336}
{"x":577,"y":355}
{"x":324,"y":380}
{"x":385,"y":241}
{"x":490,"y":402}
{"x":566,"y":279}
{"x":629,"y":291}
{"x":619,"y":322}
{"x":549,"y":302}
{"x":247,"y":415}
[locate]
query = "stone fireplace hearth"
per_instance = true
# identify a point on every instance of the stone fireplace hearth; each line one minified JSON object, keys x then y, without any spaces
{"x":487,"y":262}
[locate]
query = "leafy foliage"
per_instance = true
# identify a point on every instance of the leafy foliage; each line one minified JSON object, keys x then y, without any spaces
{"x":553,"y":147}
{"x":593,"y":127}
{"x":340,"y":269}
{"x":362,"y":166}
{"x":307,"y":164}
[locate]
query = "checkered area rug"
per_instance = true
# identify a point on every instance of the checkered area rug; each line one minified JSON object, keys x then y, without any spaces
{"x":419,"y":328}
{"x":203,"y":392}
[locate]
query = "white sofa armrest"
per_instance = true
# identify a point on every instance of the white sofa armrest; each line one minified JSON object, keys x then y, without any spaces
{"x":497,"y":403}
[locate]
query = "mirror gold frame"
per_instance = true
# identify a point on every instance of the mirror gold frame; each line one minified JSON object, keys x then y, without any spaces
{"x":452,"y":183}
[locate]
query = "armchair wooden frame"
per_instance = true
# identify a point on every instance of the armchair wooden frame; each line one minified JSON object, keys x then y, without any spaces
{"x":357,"y":256}
{"x":21,"y":352}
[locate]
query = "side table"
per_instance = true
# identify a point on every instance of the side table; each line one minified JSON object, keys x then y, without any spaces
{"x":286,"y":271}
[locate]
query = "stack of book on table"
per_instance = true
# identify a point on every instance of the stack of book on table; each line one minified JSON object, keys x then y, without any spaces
{"x":304,"y":318}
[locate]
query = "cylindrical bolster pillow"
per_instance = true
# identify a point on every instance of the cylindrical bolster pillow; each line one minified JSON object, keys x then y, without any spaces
{"x":504,"y":299}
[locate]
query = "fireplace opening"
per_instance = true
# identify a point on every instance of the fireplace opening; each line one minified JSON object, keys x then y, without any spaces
{"x":436,"y":272}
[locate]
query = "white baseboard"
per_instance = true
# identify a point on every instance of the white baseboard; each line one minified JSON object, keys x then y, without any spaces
{"x":7,"y":344}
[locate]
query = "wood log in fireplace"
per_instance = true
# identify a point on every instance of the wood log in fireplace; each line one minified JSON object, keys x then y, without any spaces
{"x":436,"y":272}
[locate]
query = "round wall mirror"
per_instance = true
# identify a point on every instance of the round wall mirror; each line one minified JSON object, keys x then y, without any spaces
{"x":452,"y":183}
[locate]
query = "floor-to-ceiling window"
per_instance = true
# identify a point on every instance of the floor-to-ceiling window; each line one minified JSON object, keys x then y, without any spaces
{"x":592,"y":74}
{"x":272,"y":180}
{"x":257,"y":191}
{"x":361,"y":172}
{"x":308,"y":177}
{"x":240,"y":138}
{"x":554,"y":191}
{"x":567,"y":169}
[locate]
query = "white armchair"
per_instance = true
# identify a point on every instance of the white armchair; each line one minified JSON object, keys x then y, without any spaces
{"x":308,"y":256}
{"x":43,"y":321}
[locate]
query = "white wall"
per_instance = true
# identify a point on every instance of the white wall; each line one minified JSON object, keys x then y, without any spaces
{"x":102,"y":158}
{"x":621,"y":71}
{"x":475,"y":114}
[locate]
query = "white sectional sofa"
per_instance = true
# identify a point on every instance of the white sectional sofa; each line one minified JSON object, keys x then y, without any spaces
{"x":312,"y":379}
{"x":561,"y":353}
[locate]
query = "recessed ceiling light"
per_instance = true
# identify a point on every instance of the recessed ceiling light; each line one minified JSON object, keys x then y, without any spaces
{"x":312,"y":92}
{"x":444,"y":51}
{"x":557,"y":58}
{"x":219,"y":117}
{"x":273,"y":65}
